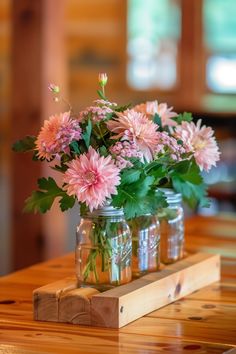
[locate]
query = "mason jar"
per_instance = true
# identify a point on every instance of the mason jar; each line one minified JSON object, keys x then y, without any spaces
{"x":145,"y":245}
{"x":103,"y":249}
{"x":171,"y":220}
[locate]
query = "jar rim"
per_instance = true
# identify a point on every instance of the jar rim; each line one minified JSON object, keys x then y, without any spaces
{"x":106,"y":210}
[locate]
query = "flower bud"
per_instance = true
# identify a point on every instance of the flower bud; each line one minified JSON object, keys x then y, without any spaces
{"x":102,"y":79}
{"x":54,"y":88}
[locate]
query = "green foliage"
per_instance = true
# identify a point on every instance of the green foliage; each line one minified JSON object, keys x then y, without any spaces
{"x":60,"y":168}
{"x":74,"y":147}
{"x":103,"y":151}
{"x":130,"y":176}
{"x":83,"y":209}
{"x":24,"y":145}
{"x":66,"y":202}
{"x":136,"y":194}
{"x":87,"y":133}
{"x":42,"y":200}
{"x":187,"y":180}
{"x":189,"y":171}
{"x":101,"y":95}
{"x":186,"y":116}
{"x":157,"y":120}
{"x":122,"y":108}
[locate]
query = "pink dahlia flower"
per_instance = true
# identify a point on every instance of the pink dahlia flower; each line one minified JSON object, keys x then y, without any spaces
{"x":135,"y":127}
{"x":200,"y":141}
{"x":56,"y":135}
{"x":150,"y":108}
{"x":92,"y":178}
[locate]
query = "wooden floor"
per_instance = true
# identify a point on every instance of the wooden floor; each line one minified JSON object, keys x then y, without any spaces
{"x":204,"y":322}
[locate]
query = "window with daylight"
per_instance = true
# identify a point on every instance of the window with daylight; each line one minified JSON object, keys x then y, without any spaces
{"x":220,"y":42}
{"x":154,"y":29}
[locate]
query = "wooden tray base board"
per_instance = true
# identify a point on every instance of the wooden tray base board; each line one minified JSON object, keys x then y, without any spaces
{"x":62,"y":301}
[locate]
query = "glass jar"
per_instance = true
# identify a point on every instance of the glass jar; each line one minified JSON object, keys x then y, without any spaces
{"x":103,"y":249}
{"x":145,"y":245}
{"x":171,"y":221}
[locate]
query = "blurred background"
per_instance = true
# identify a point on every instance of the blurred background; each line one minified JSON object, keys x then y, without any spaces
{"x":182,"y":52}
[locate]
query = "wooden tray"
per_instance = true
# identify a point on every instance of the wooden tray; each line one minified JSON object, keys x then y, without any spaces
{"x":62,"y":301}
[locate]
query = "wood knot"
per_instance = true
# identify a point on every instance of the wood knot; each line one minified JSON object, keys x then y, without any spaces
{"x":7,"y":302}
{"x":195,"y":318}
{"x":208,"y":306}
{"x":192,"y":347}
{"x":177,"y":289}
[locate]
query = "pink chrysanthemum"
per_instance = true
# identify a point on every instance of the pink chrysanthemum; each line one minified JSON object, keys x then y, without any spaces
{"x":98,"y":111}
{"x":152,"y":107}
{"x":200,"y":141}
{"x":56,"y":135}
{"x":122,"y":151}
{"x":134,"y":126}
{"x":92,"y":178}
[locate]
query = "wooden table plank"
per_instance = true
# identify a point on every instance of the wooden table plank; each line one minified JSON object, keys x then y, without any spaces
{"x":217,"y":292}
{"x":54,"y":338}
{"x":186,"y":329}
{"x":174,"y":328}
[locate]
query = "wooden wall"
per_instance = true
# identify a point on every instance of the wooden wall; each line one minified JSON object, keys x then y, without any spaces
{"x":37,"y":59}
{"x":95,"y":42}
{"x":5,"y":240}
{"x":68,"y":44}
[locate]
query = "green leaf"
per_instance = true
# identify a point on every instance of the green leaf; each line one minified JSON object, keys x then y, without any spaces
{"x":160,"y":199}
{"x":186,"y":116}
{"x":101,"y":95}
{"x":24,"y":145}
{"x":109,"y":116}
{"x":135,"y":205}
{"x":193,"y":194}
{"x":136,"y":162}
{"x":130,"y":176}
{"x":74,"y":147}
{"x":42,"y":200}
{"x":141,"y":187}
{"x":83,"y":209}
{"x":154,"y":201}
{"x":181,"y":167}
{"x":152,"y":165}
{"x":134,"y":208}
{"x":59,"y":168}
{"x":87,"y":133}
{"x":187,"y":179}
{"x":157,"y":120}
{"x":65,"y":158}
{"x":103,"y":151}
{"x":66,"y":202}
{"x":136,"y":198}
{"x":122,"y":108}
{"x":159,"y":173}
{"x":189,"y":171}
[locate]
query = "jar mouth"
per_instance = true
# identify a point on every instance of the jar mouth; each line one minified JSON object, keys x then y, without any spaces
{"x":106,"y":210}
{"x":171,"y":195}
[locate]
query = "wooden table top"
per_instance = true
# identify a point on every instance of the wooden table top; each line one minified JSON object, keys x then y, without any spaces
{"x":204,"y":322}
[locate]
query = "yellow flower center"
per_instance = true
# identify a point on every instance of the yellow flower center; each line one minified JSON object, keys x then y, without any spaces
{"x":200,"y":144}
